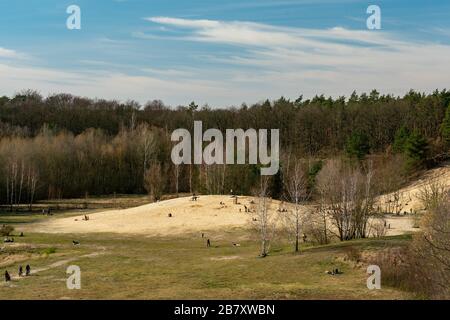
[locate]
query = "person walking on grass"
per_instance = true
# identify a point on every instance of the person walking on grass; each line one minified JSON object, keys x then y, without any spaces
{"x":27,"y":270}
{"x":20,"y":271}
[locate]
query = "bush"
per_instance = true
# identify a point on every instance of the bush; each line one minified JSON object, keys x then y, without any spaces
{"x":48,"y":251}
{"x":353,"y":254}
{"x":378,"y":228}
{"x":395,"y":265}
{"x":422,"y":267}
{"x":6,"y":230}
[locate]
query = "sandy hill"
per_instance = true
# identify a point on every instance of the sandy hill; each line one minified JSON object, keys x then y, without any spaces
{"x":409,"y":197}
{"x":209,"y":214}
{"x":206,"y":213}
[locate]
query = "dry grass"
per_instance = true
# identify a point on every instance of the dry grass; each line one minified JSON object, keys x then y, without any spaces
{"x":137,"y":267}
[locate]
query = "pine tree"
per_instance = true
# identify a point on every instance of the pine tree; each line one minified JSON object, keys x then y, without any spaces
{"x":357,"y":145}
{"x":401,"y":137}
{"x":416,"y":148}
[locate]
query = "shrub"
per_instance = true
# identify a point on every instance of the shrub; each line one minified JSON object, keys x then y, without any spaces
{"x":378,"y":228}
{"x":48,"y":251}
{"x":422,"y":267}
{"x":353,"y":254}
{"x":6,"y":230}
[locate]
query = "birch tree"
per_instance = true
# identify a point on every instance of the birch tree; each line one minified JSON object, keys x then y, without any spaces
{"x":263,"y":219}
{"x":296,"y":193}
{"x":347,"y":197}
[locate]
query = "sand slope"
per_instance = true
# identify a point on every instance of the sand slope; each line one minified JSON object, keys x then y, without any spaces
{"x":207,"y":214}
{"x":409,"y":196}
{"x":187,"y":216}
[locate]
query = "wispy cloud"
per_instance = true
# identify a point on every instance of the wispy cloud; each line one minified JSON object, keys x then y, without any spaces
{"x":8,"y":53}
{"x":334,"y":61}
{"x":259,"y":61}
{"x":113,"y":85}
{"x":263,"y":35}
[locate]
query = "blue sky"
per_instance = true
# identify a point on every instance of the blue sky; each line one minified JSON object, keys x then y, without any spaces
{"x":222,"y":52}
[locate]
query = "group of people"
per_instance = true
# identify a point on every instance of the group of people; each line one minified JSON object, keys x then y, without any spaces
{"x":11,"y":239}
{"x":334,"y":272}
{"x":27,"y":272}
{"x":47,"y":212}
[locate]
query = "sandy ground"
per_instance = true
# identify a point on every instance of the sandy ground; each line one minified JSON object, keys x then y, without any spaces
{"x":187,"y":217}
{"x":208,"y":214}
{"x":409,"y":204}
{"x":153,"y":219}
{"x":409,"y":196}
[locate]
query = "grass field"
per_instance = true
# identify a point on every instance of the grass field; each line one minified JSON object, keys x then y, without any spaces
{"x":138,"y":267}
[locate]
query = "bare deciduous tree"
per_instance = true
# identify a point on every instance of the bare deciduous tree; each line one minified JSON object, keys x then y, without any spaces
{"x":296,"y":193}
{"x":154,"y":181}
{"x":176,"y":173}
{"x":347,"y":197}
{"x":263,"y":218}
{"x":432,"y":195}
{"x":32,"y":180}
{"x":432,"y":245}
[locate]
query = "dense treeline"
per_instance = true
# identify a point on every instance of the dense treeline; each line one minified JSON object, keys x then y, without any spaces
{"x":310,"y":125}
{"x":67,"y":146}
{"x":61,"y":165}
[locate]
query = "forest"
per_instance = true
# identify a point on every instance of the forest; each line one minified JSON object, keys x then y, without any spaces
{"x":64,"y":146}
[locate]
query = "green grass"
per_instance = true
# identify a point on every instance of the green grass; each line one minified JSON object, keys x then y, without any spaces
{"x":137,"y":267}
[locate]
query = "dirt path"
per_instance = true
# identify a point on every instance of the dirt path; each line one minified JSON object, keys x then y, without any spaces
{"x":62,"y":262}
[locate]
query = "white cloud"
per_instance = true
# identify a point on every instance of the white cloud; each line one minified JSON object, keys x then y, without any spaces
{"x":114,"y":85}
{"x":264,"y":61}
{"x":263,"y":35}
{"x":287,"y":61}
{"x":185,"y":22}
{"x":7,"y":53}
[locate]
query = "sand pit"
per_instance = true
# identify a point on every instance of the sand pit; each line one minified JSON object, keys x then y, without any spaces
{"x":153,"y":219}
{"x":409,"y":197}
{"x":182,"y":215}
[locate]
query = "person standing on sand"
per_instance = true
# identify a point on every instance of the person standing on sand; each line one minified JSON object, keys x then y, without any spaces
{"x":7,"y":276}
{"x":20,"y":271}
{"x":208,"y":243}
{"x":27,"y":270}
